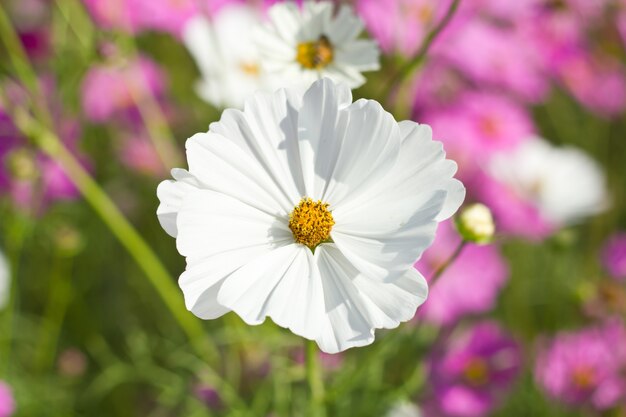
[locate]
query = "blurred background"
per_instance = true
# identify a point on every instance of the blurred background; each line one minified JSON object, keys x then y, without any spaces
{"x":97,"y":100}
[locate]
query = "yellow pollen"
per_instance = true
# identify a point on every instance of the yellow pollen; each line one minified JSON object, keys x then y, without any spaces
{"x":476,"y":372}
{"x":315,"y":55}
{"x":311,"y":222}
{"x":250,"y":68}
{"x":583,"y":377}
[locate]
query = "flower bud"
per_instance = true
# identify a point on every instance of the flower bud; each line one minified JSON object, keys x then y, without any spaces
{"x":475,"y":224}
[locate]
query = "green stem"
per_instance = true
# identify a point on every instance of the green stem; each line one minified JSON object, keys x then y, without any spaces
{"x":316,"y":382}
{"x":419,"y":57}
{"x":447,"y":263}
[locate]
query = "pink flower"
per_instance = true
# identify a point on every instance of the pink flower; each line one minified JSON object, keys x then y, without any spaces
{"x":138,"y":153}
{"x":479,"y":267}
{"x":139,"y":15}
{"x":597,"y":83}
{"x":471,"y":373}
{"x":7,"y":403}
{"x":401,"y":25}
{"x":614,"y":256}
{"x":513,"y":214}
{"x":110,"y":91}
{"x":585,"y":367}
{"x":478,"y":125}
{"x":503,"y":57}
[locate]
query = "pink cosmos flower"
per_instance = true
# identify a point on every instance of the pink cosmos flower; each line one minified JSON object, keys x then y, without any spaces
{"x":139,"y":15}
{"x":7,"y":403}
{"x":614,"y":256}
{"x":478,"y":125}
{"x":506,"y":58}
{"x":513,"y":214}
{"x":401,"y":25}
{"x":112,"y":90}
{"x":585,"y":367}
{"x":139,"y":154}
{"x":472,"y":372}
{"x":598,"y":83}
{"x":480,"y":267}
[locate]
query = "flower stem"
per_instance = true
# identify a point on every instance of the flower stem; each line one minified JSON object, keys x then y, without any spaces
{"x":316,"y":382}
{"x":448,"y":262}
{"x":419,"y":57}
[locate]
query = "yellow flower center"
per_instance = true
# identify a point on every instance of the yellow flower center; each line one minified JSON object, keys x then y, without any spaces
{"x":315,"y":55}
{"x":583,"y":377}
{"x":311,"y":222}
{"x":250,"y":68}
{"x":477,"y":371}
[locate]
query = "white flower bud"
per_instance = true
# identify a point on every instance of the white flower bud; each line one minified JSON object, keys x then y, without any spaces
{"x":475,"y":224}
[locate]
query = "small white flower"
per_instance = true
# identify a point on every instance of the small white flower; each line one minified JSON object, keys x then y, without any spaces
{"x":305,"y":44}
{"x":227,"y":58}
{"x":564,"y":183}
{"x":5,"y":280}
{"x":311,"y":210}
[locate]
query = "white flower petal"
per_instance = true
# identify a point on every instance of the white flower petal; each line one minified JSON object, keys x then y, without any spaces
{"x":171,"y":194}
{"x":5,"y":280}
{"x":267,"y":131}
{"x":369,"y":148}
{"x":355,"y":305}
{"x":218,"y":234}
{"x":283,"y":285}
{"x":382,"y":240}
{"x":220,"y":165}
{"x":345,"y":26}
{"x":362,"y":55}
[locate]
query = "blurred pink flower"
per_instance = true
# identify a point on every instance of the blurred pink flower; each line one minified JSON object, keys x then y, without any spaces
{"x":470,"y":374}
{"x":598,"y":83}
{"x":506,"y":58}
{"x":512,"y":213}
{"x":139,"y":15}
{"x":437,"y":86}
{"x":138,"y":153}
{"x":585,"y":367}
{"x":111,"y":90}
{"x":478,"y":125}
{"x":479,"y":267}
{"x":7,"y":403}
{"x":614,"y":256}
{"x":401,"y":25}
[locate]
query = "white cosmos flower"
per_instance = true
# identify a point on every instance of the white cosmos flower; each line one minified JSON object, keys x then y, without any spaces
{"x":309,"y":209}
{"x":5,"y":280}
{"x":304,"y":44}
{"x":227,"y":58}
{"x":564,"y":183}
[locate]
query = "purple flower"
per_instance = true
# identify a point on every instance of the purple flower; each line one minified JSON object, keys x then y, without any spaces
{"x":585,"y":367}
{"x":109,"y":91}
{"x":209,"y":396}
{"x":472,"y":372}
{"x":614,"y":256}
{"x":7,"y":403}
{"x":480,"y":267}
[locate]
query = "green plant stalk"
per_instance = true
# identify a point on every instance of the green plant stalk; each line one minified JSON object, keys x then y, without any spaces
{"x":315,"y":380}
{"x":156,"y":273}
